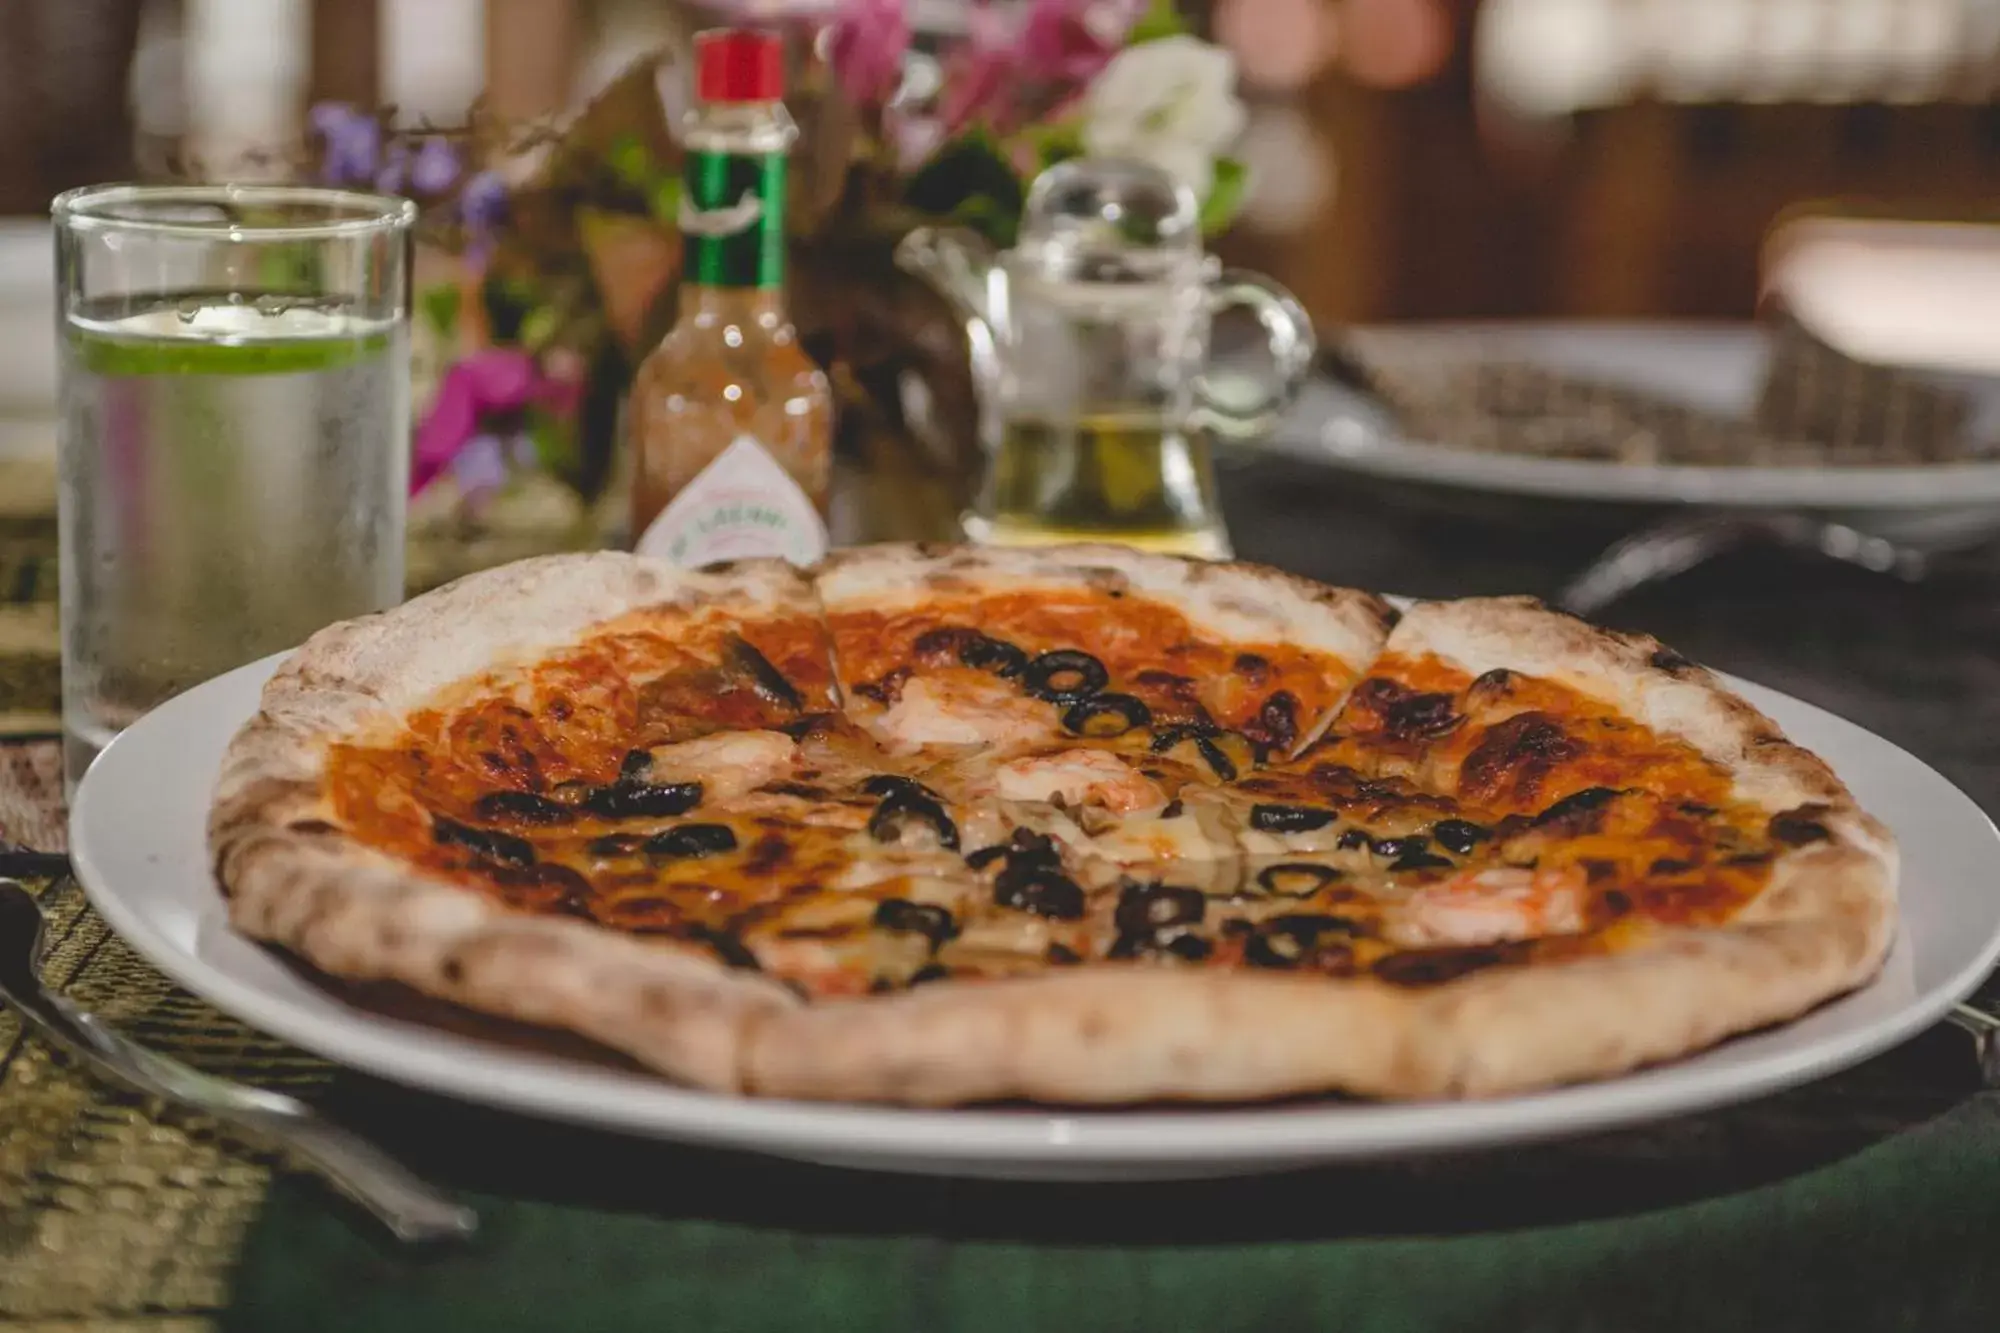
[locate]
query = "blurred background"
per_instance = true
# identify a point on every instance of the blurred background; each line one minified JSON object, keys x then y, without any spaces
{"x":1411,"y":158}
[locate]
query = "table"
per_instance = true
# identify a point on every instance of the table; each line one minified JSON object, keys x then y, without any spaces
{"x":1868,"y":1200}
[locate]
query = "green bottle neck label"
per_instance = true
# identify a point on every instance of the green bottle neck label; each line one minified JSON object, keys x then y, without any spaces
{"x":732,"y":220}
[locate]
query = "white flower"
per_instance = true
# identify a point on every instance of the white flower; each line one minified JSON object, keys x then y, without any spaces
{"x":1170,"y":102}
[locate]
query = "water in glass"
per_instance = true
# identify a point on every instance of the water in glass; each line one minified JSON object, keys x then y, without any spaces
{"x":232,"y":479}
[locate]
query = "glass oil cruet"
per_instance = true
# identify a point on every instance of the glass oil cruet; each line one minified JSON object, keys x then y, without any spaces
{"x":1090,"y":343}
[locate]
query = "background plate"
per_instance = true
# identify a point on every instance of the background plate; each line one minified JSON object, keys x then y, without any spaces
{"x":1717,"y":367}
{"x":137,"y":839}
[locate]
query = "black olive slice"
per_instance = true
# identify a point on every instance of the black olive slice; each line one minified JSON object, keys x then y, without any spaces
{"x":986,"y":856}
{"x":1295,"y":879}
{"x":687,"y":841}
{"x":1288,"y":818}
{"x":1103,"y":716}
{"x":1183,"y":945}
{"x":1394,"y":848}
{"x":1219,"y":763}
{"x":929,"y":972}
{"x":489,"y":843}
{"x":524,"y":807}
{"x":989,"y":654}
{"x":1064,"y":676}
{"x":1038,"y":888}
{"x":1166,"y":738}
{"x":1150,"y":908}
{"x":895,"y":784}
{"x":905,"y":917}
{"x":639,"y":800}
{"x":1419,"y":859}
{"x":770,"y":681}
{"x":898,"y":811}
{"x":1352,"y":839}
{"x":635,"y":764}
{"x":1590,"y":798}
{"x":1288,"y":941}
{"x":1459,"y":836}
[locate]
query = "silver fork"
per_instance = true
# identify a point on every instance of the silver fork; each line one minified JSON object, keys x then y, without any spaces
{"x":412,"y":1209}
{"x":1985,"y":1030}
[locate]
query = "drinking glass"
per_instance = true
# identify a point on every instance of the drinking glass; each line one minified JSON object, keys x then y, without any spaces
{"x":234,"y":442}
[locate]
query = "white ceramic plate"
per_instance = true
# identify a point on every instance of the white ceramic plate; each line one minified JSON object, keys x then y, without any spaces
{"x":1715,"y":367}
{"x":137,"y":840}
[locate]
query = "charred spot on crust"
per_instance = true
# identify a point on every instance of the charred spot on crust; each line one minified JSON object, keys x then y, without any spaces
{"x":727,"y":945}
{"x":1277,"y":724}
{"x":1434,"y":967}
{"x":630,"y":799}
{"x":1516,"y":755}
{"x":1253,"y":667}
{"x":311,"y":827}
{"x":1666,"y":659}
{"x":1800,"y":827}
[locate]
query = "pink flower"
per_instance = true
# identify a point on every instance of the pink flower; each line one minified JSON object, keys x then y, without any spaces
{"x":866,"y":43}
{"x":484,"y":395}
{"x":1009,"y":73}
{"x":1067,"y":42}
{"x":977,"y":76}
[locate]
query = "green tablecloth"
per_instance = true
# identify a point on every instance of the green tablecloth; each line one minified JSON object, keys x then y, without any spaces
{"x":1843,"y":1227}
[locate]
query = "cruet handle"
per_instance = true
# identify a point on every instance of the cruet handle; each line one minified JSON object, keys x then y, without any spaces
{"x":1288,"y":332}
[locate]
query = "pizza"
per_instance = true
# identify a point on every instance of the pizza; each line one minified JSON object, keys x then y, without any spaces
{"x":942,"y":825}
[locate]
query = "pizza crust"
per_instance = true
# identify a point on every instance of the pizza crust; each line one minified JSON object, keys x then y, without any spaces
{"x":1098,"y":1034}
{"x":1234,"y":601}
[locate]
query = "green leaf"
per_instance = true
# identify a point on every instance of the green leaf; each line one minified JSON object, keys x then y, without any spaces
{"x":554,"y":447}
{"x":539,"y":328}
{"x":1161,"y":19}
{"x":1225,"y":196}
{"x":440,"y":306}
{"x":630,"y":162}
{"x":970,"y":167}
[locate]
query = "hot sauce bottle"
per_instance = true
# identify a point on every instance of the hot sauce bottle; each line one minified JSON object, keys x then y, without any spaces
{"x":731,"y":422}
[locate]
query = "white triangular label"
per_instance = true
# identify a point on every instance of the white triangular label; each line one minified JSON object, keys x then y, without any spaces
{"x":741,"y":506}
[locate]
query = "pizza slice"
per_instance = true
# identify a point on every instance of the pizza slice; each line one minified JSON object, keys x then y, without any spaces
{"x":1082,"y":692}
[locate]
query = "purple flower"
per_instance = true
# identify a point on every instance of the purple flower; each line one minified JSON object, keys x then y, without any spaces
{"x":482,"y":206}
{"x":977,"y":76}
{"x":484,"y":396}
{"x":435,"y":166}
{"x":866,"y":43}
{"x":353,"y":144}
{"x":395,"y":167}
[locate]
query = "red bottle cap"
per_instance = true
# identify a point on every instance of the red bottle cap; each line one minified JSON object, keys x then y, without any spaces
{"x":739,"y":65}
